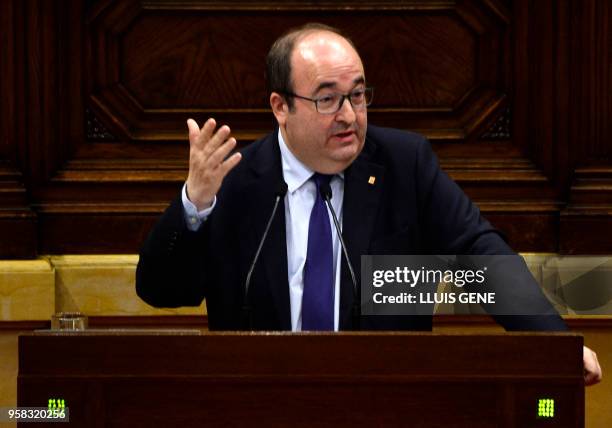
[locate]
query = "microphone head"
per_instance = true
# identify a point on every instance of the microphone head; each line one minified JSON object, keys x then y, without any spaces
{"x":325,"y":190}
{"x":281,"y":189}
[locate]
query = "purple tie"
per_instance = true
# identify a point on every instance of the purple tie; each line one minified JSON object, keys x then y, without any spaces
{"x":318,"y":297}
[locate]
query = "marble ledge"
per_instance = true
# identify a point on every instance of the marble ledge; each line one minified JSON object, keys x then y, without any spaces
{"x":27,"y":290}
{"x":103,"y":285}
{"x":97,"y":285}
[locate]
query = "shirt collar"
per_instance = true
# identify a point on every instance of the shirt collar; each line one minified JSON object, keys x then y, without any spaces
{"x":295,"y":172}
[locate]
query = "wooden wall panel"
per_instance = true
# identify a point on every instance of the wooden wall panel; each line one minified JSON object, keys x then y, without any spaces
{"x":587,"y":220}
{"x":94,"y":142}
{"x":152,"y":65}
{"x":17,"y":220}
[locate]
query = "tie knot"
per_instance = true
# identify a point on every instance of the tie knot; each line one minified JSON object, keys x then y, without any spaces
{"x":321,"y":179}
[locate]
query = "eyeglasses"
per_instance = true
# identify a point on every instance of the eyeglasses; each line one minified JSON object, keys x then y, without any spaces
{"x":332,"y":102}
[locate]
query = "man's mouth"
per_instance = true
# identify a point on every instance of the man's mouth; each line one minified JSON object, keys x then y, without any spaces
{"x":343,"y":135}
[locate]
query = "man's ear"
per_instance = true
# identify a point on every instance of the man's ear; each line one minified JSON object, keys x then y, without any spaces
{"x":279,"y":108}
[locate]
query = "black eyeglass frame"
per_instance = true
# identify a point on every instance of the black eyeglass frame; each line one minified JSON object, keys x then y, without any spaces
{"x":343,"y":97}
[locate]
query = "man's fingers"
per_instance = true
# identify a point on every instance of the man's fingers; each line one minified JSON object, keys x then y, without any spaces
{"x":591,"y":379}
{"x":194,"y":131}
{"x":592,"y":369}
{"x":206,"y":139}
{"x":230,"y":163}
{"x":207,"y":130}
{"x":221,"y":153}
{"x":216,"y":140}
{"x":198,"y":138}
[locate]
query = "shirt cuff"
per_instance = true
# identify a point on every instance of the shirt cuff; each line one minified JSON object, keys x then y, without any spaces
{"x":193,"y":217}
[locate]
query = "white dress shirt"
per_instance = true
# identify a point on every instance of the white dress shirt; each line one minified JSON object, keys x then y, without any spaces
{"x":299,"y":200}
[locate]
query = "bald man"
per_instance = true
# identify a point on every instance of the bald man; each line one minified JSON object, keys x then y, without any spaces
{"x":387,"y":191}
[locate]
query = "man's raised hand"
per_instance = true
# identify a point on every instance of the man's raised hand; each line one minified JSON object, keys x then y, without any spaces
{"x":592,"y":369}
{"x":208,"y":165}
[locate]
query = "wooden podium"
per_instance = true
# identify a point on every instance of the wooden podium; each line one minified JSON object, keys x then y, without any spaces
{"x":188,"y":379}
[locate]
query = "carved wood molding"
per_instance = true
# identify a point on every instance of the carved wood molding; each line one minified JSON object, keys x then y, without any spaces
{"x":592,"y":187}
{"x":303,"y":6}
{"x":96,"y":131}
{"x":500,"y":129}
{"x":586,"y":222}
{"x":146,"y":85}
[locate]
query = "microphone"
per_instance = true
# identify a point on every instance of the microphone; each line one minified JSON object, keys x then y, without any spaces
{"x":280,"y":192}
{"x":326,"y":194}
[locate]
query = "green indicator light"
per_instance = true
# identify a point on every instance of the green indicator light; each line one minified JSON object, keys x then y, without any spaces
{"x":546,"y":408}
{"x":56,"y":403}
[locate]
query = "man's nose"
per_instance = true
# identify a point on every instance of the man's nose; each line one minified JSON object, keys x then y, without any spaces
{"x":346,"y":112}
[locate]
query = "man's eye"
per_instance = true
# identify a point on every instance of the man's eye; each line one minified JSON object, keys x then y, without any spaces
{"x":358,"y":93}
{"x":327,"y":99}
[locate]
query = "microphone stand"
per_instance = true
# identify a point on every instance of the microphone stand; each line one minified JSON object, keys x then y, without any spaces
{"x":326,"y":193}
{"x":247,"y":311}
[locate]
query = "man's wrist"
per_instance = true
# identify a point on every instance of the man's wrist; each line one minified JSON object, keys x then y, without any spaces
{"x":194,"y":217}
{"x":199,"y":207}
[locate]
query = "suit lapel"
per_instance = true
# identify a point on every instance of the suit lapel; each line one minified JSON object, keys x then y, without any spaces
{"x":267,"y":174}
{"x":363,"y":184}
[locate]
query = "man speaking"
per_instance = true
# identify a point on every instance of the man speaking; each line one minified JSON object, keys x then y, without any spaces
{"x":255,"y":234}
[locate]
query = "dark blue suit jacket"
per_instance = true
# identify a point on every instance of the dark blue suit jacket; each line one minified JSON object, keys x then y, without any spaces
{"x":412,"y":208}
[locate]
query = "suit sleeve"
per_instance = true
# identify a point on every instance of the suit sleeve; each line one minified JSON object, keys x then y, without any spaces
{"x":171,"y":267}
{"x":453,"y":224}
